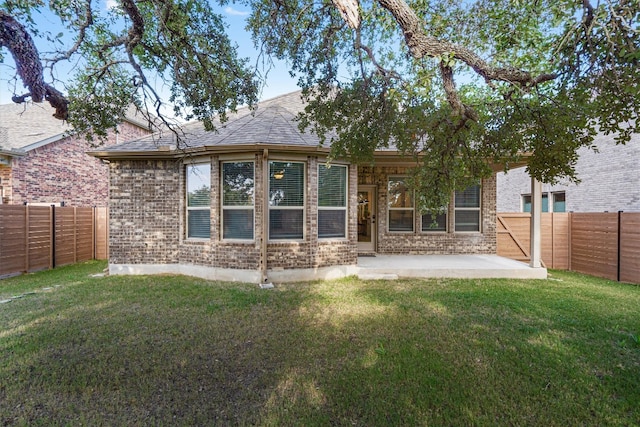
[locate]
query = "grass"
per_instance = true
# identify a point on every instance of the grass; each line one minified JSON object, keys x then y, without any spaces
{"x":169,"y":350}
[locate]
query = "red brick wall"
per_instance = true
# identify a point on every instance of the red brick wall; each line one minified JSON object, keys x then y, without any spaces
{"x":62,"y":171}
{"x":5,"y":179}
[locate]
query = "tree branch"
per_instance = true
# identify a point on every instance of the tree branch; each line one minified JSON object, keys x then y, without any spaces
{"x":420,"y":45}
{"x":15,"y":38}
{"x":452,"y":94}
{"x":82,"y":30}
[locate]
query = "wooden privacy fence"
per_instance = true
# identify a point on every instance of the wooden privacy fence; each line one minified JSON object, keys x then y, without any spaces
{"x":36,"y":238}
{"x":601,"y":244}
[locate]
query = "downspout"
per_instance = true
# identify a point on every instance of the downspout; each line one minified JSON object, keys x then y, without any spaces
{"x":265,"y":216}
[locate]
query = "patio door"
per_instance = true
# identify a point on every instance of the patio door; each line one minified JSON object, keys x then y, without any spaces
{"x":366,"y":218}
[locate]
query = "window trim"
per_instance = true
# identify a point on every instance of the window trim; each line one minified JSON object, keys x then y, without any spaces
{"x":196,"y":208}
{"x":412,"y":208}
{"x":469,"y":209}
{"x":303,"y":207}
{"x":237,"y":207}
{"x":344,"y":208}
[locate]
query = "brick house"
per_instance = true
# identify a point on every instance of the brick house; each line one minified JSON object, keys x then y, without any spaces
{"x":256,"y":199}
{"x":610,"y":182}
{"x":42,"y":162}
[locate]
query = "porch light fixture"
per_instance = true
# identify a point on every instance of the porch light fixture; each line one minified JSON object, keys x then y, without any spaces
{"x":278,"y":175}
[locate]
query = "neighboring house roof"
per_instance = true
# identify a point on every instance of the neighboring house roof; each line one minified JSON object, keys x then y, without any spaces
{"x":24,"y":127}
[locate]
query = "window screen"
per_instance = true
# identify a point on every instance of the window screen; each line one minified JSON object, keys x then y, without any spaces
{"x":198,"y":179}
{"x":332,"y":201}
{"x":467,"y":209}
{"x":286,"y":200}
{"x":238,"y":200}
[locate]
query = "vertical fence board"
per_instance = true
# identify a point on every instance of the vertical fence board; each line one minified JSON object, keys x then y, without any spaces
{"x":630,"y":247}
{"x":102,"y":233}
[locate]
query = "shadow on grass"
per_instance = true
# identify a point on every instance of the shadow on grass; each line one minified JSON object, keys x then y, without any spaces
{"x":174,"y":350}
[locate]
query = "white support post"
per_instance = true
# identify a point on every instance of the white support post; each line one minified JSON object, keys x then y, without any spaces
{"x":536,"y":215}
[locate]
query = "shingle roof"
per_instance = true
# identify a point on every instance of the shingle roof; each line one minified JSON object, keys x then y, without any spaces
{"x":24,"y":124}
{"x":272,"y":122}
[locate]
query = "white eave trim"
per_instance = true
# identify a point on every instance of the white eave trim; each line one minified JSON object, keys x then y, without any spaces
{"x":44,"y":142}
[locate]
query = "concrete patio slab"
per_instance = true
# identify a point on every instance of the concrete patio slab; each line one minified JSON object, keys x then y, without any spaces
{"x":450,"y":266}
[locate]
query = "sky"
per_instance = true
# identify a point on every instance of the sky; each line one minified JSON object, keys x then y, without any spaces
{"x":278,"y":80}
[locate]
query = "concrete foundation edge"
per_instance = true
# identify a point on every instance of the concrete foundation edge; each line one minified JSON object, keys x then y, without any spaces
{"x":233,"y":275}
{"x":321,"y":273}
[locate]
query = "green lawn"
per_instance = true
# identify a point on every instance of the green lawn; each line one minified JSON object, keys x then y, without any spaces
{"x":168,"y":350}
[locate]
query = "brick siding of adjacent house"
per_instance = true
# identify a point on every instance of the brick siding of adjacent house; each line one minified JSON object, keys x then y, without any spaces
{"x":148,"y":222}
{"x":5,"y":180}
{"x":610,"y":180}
{"x":62,"y":171}
{"x":418,"y":242}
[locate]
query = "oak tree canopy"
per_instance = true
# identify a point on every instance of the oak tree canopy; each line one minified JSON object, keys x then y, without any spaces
{"x":452,"y":84}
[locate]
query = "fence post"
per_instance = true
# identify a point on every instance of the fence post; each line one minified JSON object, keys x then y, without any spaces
{"x":53,"y":236}
{"x":570,"y":239}
{"x":75,"y":235}
{"x":619,"y":242}
{"x":26,"y":238}
{"x":93,"y":232}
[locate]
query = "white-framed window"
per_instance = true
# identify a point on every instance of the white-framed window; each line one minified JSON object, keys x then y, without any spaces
{"x":435,"y":223}
{"x":198,"y":178}
{"x":332,"y":201}
{"x":400,"y":205}
{"x":551,"y":202}
{"x":526,"y":202}
{"x":286,"y":200}
{"x":559,"y":202}
{"x":467,"y":209}
{"x":238,"y":198}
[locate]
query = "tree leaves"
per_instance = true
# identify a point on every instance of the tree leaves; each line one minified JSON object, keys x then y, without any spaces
{"x":130,"y":54}
{"x":456,"y":85}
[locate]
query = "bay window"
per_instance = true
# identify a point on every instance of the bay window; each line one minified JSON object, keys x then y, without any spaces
{"x":238,"y":200}
{"x":286,"y":200}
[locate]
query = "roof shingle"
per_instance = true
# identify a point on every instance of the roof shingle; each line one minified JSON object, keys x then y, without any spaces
{"x":272,"y":122}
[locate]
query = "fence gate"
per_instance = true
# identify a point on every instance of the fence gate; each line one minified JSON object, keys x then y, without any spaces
{"x":514,"y":239}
